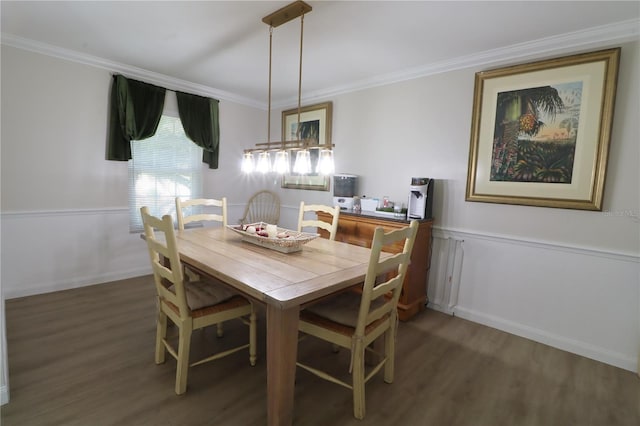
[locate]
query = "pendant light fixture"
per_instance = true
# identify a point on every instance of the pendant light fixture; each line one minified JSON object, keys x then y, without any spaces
{"x":284,"y":149}
{"x":325,"y":162}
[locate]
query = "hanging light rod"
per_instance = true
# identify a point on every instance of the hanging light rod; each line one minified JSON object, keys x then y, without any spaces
{"x":287,"y":13}
{"x":281,"y":16}
{"x":294,"y":10}
{"x":290,"y":145}
{"x":300,"y":146}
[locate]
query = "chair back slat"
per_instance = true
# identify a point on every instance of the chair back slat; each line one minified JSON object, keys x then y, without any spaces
{"x":331,"y":228}
{"x":377,"y":313}
{"x":383,"y":288}
{"x":158,"y":247}
{"x":182,"y":206}
{"x":391,"y":262}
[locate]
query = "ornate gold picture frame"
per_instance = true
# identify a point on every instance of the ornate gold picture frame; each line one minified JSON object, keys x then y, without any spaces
{"x":540,"y":132}
{"x":316,"y":122}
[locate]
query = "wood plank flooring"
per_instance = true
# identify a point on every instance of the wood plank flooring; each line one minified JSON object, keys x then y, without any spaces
{"x":85,"y":357}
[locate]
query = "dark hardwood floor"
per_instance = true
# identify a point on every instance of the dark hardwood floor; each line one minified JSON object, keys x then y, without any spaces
{"x":85,"y":357}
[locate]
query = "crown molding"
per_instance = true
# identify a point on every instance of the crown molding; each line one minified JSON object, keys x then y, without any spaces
{"x":568,"y":43}
{"x":171,"y":83}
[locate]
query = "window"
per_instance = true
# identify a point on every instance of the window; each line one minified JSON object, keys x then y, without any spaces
{"x":164,"y":166}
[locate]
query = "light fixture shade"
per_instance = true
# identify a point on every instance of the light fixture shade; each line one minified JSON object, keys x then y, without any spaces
{"x":264,"y":163}
{"x":326,"y":165}
{"x":281,"y":164}
{"x":248,"y":164}
{"x":303,"y":162}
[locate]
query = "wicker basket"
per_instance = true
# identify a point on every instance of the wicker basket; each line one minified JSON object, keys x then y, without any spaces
{"x":286,"y":241}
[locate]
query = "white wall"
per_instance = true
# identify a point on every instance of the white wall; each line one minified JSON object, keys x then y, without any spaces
{"x":568,"y":278}
{"x":564,"y":277}
{"x":63,"y":204}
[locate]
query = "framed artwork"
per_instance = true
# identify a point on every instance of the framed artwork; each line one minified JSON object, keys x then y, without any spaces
{"x":540,"y":132}
{"x":315,"y":124}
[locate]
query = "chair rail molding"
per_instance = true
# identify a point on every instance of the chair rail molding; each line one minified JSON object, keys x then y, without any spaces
{"x":63,"y":212}
{"x":445,"y":233}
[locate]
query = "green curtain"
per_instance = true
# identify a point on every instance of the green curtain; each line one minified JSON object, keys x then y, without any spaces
{"x":200,"y":120}
{"x":135,"y":111}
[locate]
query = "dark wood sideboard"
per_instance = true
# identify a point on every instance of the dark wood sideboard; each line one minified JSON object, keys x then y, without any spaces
{"x":357,"y":228}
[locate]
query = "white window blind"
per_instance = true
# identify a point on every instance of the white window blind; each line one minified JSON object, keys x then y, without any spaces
{"x":164,"y":166}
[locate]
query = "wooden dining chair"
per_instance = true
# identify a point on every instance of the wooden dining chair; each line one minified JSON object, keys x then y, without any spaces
{"x":183,"y":207}
{"x":263,"y":206}
{"x":331,"y":228}
{"x":191,"y":211}
{"x":190,"y":305}
{"x":354,"y":321}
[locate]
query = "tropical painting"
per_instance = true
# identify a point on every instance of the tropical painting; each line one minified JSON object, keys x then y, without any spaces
{"x":540,"y":132}
{"x":535,"y":134}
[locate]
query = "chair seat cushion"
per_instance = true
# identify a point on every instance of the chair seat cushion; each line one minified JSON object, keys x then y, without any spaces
{"x":343,"y":308}
{"x":201,"y":294}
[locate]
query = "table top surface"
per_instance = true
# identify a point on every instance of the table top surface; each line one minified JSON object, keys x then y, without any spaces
{"x":321,"y":268}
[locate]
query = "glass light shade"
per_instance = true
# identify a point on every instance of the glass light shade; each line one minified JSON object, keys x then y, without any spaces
{"x":303,"y":163}
{"x":247,"y":163}
{"x":264,"y":163}
{"x":281,"y":163}
{"x":326,"y":165}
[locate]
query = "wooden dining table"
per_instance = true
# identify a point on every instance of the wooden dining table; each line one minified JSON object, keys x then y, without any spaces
{"x":284,"y":283}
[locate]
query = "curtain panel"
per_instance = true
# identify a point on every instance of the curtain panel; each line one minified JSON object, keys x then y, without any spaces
{"x":135,"y":111}
{"x":200,"y":120}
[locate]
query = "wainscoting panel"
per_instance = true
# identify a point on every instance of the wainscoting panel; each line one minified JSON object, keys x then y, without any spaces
{"x":56,"y":250}
{"x":45,"y":251}
{"x":581,"y":300}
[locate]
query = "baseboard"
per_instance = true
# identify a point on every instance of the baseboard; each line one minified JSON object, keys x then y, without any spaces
{"x":50,"y":287}
{"x":441,"y":308}
{"x":4,"y":395}
{"x":560,"y":342}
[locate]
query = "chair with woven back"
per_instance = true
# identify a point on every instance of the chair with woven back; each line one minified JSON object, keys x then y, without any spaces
{"x":354,"y":321}
{"x":190,"y":305}
{"x":304,"y":221}
{"x":263,"y":206}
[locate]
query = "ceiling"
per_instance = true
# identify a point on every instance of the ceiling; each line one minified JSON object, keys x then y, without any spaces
{"x":221,"y":47}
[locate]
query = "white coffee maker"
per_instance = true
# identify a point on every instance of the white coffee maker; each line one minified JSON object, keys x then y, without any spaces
{"x":420,"y":198}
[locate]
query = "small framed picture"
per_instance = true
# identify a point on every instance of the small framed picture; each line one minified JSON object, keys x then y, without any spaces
{"x":314,"y":125}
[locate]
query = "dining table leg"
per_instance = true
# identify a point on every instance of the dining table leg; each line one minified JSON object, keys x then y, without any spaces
{"x":282,"y":349}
